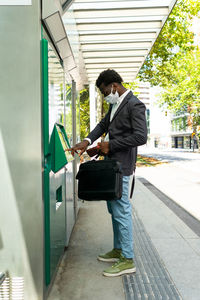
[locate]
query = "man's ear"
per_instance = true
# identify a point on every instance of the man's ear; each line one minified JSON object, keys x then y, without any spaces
{"x":115,"y":86}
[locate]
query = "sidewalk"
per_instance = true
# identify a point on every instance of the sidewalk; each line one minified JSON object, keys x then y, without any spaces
{"x":175,"y":150}
{"x":170,"y":265}
{"x":178,"y":178}
{"x":80,"y":274}
{"x":177,"y":245}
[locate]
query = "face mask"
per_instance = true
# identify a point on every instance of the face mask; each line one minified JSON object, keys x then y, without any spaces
{"x":112,"y":98}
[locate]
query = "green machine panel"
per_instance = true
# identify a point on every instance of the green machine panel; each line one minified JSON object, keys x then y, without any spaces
{"x":59,"y":146}
{"x":55,"y":144}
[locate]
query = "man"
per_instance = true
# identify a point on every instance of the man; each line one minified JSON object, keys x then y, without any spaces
{"x":125,"y":128}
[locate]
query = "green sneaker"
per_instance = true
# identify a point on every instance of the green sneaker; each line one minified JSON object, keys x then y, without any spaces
{"x":112,"y":256}
{"x":123,"y":266}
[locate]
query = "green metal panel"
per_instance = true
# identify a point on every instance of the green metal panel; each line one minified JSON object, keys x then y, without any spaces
{"x":45,"y":98}
{"x":46,"y":159}
{"x":58,"y":147}
{"x":55,"y":158}
{"x":47,"y":226}
{"x":58,"y":158}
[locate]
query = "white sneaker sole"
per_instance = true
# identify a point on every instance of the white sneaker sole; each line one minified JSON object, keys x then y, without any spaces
{"x":107,"y":259}
{"x":127,"y":271}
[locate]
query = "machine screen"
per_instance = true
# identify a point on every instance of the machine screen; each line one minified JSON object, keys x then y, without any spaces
{"x":65,"y":145}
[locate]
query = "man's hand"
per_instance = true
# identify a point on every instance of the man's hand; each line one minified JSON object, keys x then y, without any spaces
{"x":80,"y":146}
{"x":104,"y":148}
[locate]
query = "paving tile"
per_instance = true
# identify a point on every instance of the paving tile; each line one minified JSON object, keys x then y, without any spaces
{"x":178,"y":246}
{"x":195,"y":244}
{"x":80,"y":274}
{"x":152,"y":280}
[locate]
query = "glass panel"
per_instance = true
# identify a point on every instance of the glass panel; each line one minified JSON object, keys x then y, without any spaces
{"x":55,"y":25}
{"x":64,"y":48}
{"x":69,"y":63}
{"x":56,"y":100}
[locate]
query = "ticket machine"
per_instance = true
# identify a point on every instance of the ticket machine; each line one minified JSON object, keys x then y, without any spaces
{"x":56,"y":159}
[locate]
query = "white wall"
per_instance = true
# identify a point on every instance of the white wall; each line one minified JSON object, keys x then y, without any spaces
{"x":160,"y":124}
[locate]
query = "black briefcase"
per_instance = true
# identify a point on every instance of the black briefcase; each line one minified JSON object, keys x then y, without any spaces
{"x":100,"y":180}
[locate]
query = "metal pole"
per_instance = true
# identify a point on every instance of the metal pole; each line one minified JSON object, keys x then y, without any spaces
{"x":74,"y":138}
{"x":64,"y":96}
{"x":92,"y":106}
{"x":73,"y":112}
{"x":65,"y":175}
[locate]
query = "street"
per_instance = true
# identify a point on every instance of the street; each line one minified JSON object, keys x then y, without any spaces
{"x":178,"y":177}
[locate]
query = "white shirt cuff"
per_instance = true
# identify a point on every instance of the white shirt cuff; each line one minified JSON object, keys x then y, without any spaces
{"x":89,"y":140}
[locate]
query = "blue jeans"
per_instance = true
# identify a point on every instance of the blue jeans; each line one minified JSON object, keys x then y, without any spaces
{"x":121,"y":212}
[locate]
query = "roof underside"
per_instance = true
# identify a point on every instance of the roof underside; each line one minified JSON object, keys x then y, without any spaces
{"x":116,"y":34}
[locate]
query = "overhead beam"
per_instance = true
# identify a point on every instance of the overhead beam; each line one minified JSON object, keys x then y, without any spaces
{"x":66,"y":4}
{"x":110,"y":60}
{"x":114,"y":65}
{"x":115,"y":46}
{"x":121,"y":70}
{"x":120,"y":36}
{"x":118,"y":26}
{"x":122,"y":12}
{"x":113,"y":19}
{"x":98,"y":5}
{"x":116,"y":53}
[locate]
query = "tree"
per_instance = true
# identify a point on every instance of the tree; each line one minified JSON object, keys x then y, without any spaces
{"x":174,"y":63}
{"x":174,"y":41}
{"x":184,"y":95}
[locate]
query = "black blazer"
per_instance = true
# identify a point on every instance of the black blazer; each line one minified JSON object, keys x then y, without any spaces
{"x":127,"y":130}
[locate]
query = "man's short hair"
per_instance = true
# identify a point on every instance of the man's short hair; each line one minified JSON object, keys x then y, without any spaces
{"x":108,"y":76}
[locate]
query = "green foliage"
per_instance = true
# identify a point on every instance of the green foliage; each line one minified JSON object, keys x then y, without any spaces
{"x":78,"y":121}
{"x":68,"y":105}
{"x":174,"y":62}
{"x":132,"y":86}
{"x":105,"y":108}
{"x":84,"y":113}
{"x":184,"y":94}
{"x":173,"y":42}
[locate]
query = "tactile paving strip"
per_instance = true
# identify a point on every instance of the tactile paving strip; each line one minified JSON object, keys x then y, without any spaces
{"x":151,"y":280}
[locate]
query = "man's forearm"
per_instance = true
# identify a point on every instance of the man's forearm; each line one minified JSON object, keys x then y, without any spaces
{"x":96,"y":133}
{"x":100,"y":128}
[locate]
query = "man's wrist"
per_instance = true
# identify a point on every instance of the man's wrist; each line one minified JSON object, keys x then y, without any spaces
{"x":88,"y":140}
